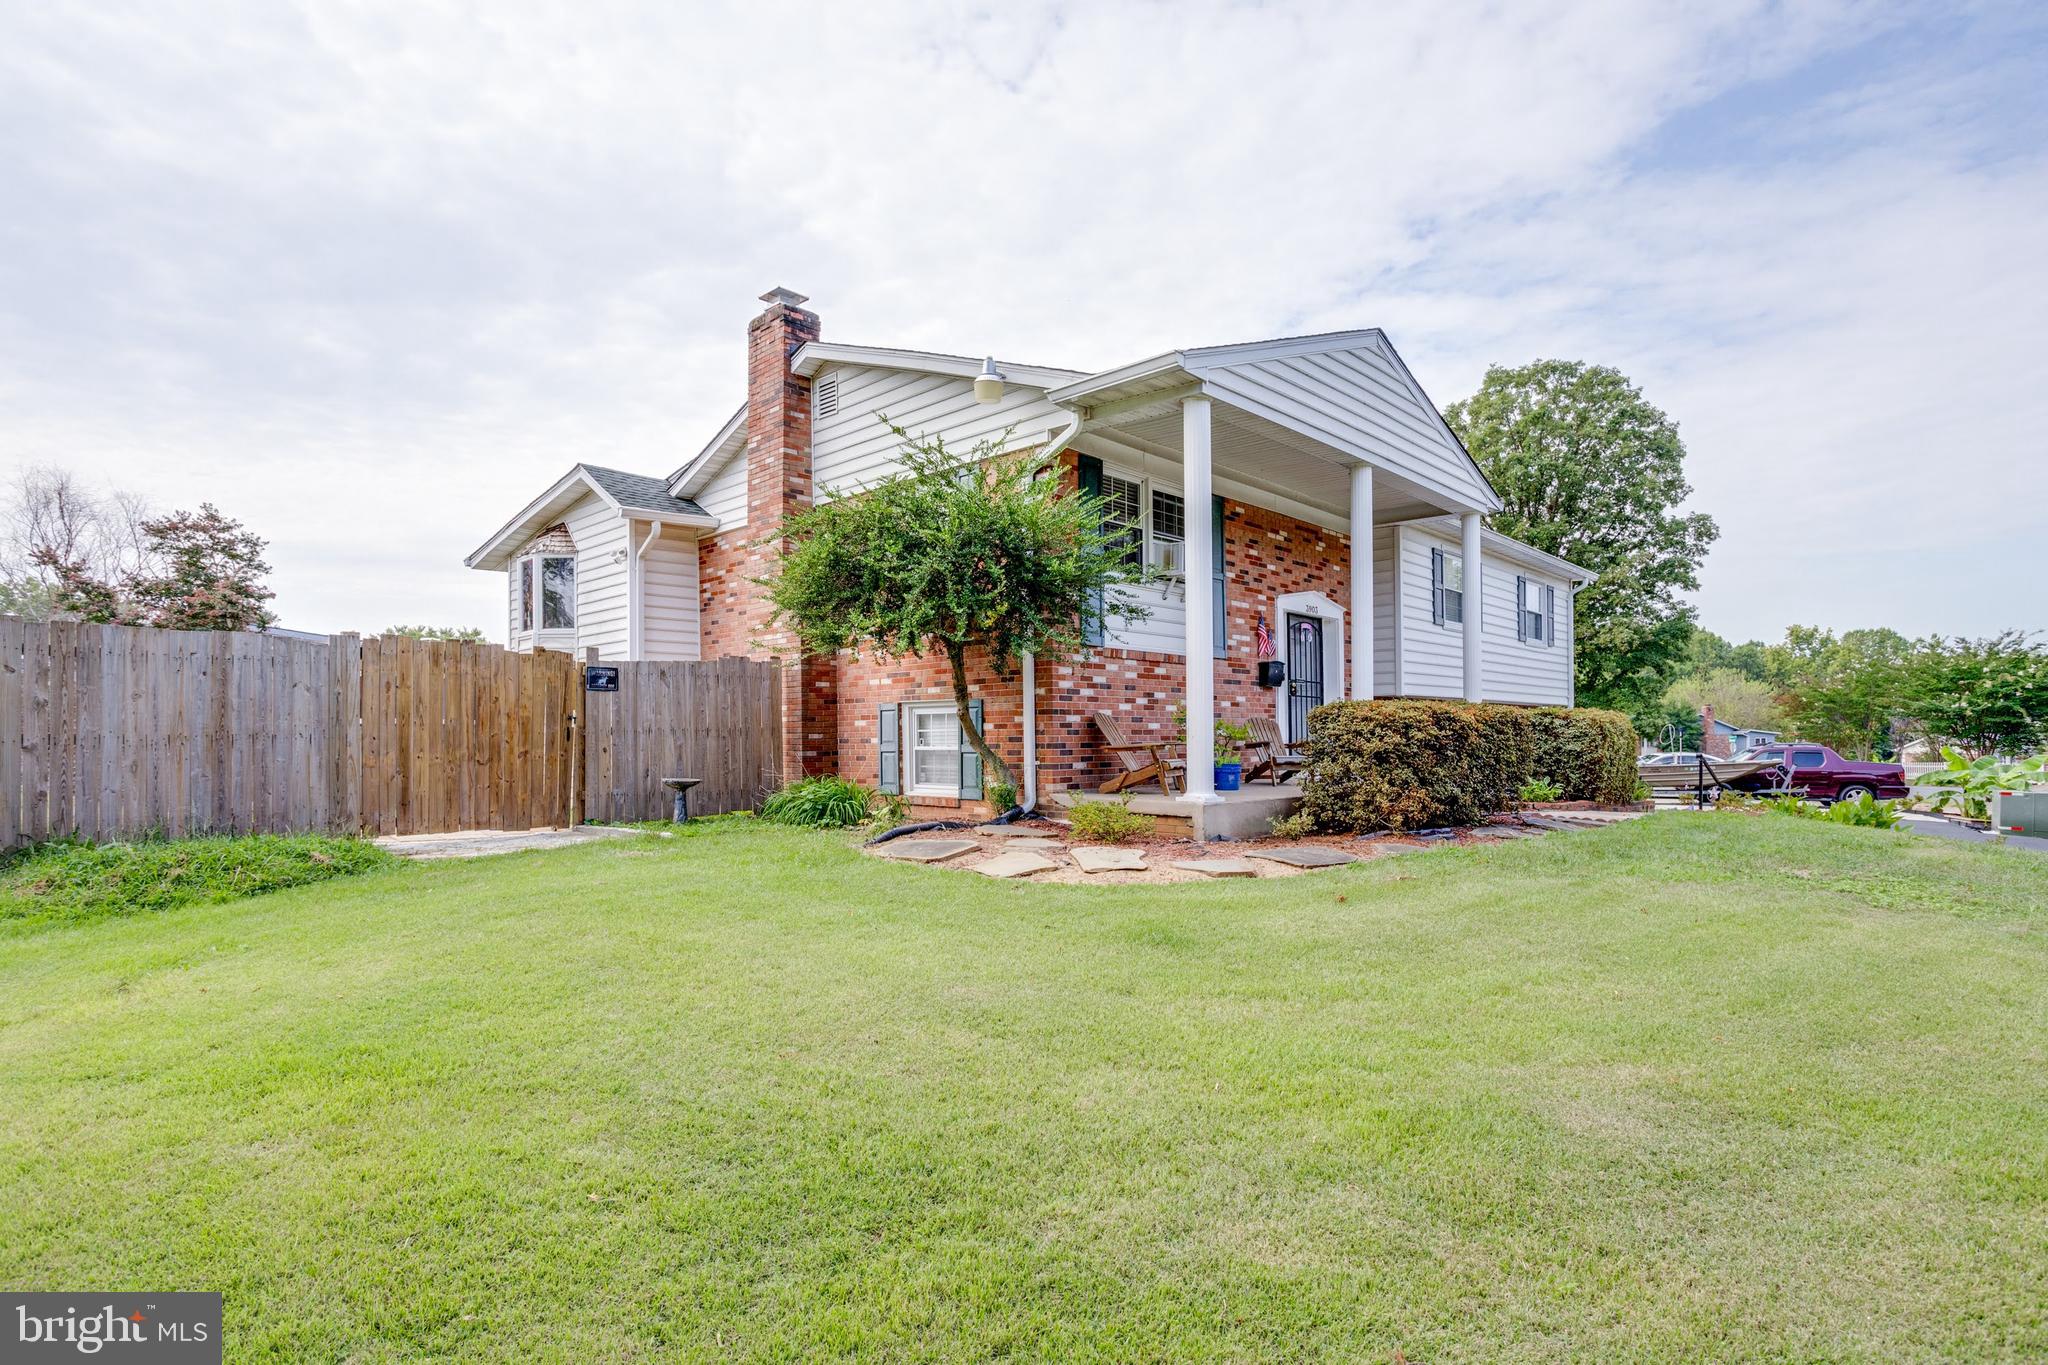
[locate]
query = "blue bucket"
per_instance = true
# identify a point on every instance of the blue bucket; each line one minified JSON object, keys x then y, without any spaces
{"x":1229,"y":776}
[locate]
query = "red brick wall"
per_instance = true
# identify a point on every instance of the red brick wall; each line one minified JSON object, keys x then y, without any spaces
{"x":1266,"y":554}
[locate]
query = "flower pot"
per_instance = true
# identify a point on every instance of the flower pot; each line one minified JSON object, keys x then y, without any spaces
{"x":1229,"y":776}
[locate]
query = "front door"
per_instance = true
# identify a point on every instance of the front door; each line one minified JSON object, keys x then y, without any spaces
{"x":1304,"y":673}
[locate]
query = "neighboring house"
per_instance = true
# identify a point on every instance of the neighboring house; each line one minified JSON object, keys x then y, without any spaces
{"x":1239,"y":472}
{"x":1722,"y":740}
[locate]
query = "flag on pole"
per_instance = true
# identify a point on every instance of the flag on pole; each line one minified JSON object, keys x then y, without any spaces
{"x":1265,"y":639}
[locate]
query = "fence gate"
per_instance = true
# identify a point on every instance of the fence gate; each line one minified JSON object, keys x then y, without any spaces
{"x":460,"y":736}
{"x":719,"y":721}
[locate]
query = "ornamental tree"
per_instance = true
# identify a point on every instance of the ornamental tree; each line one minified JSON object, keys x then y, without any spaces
{"x":956,"y":552}
{"x":198,"y":571}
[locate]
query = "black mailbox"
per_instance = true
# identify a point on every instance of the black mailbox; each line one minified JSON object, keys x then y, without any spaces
{"x":1272,"y":673}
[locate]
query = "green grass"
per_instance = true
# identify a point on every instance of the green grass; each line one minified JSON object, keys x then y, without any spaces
{"x":69,"y":883}
{"x":1699,"y":1087}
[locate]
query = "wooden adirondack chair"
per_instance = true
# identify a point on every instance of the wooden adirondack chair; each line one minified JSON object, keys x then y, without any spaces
{"x":1280,"y":760}
{"x":1143,"y":760}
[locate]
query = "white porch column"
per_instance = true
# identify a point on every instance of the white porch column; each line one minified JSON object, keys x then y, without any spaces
{"x":1201,"y":626}
{"x":1475,"y":608}
{"x":1361,"y":582}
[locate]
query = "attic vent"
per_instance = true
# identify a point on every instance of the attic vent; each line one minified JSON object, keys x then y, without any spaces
{"x":825,"y":396}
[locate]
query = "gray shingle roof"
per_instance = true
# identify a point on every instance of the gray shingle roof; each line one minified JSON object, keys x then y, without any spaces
{"x":639,"y":490}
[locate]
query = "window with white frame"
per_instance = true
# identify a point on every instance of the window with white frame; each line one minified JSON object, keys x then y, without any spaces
{"x":1450,"y":588}
{"x":1149,"y":524}
{"x":1532,"y":611}
{"x":547,"y":592}
{"x":933,"y":757}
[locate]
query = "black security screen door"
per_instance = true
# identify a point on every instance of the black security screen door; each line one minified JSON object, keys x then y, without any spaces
{"x":1304,"y":673}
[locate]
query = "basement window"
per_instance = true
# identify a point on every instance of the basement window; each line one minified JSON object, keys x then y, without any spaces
{"x":934,"y":751}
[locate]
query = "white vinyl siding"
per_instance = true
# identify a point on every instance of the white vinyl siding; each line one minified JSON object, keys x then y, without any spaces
{"x":1385,"y":584}
{"x":1165,"y":630}
{"x":725,"y":496}
{"x":1433,"y":655}
{"x":1524,"y":670}
{"x":1359,"y":400}
{"x":668,"y":596}
{"x":852,"y":447}
{"x":601,"y":580}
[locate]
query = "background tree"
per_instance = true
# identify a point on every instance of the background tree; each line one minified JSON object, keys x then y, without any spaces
{"x":199,"y":571}
{"x":954,"y":554}
{"x":467,"y":634}
{"x":1593,"y":472}
{"x":1986,"y":696}
{"x":51,"y":517}
{"x":1848,"y":693}
{"x":1706,"y":652}
{"x":1745,"y":702}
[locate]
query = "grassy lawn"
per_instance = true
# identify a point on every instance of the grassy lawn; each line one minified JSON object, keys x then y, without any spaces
{"x":1698,"y":1087}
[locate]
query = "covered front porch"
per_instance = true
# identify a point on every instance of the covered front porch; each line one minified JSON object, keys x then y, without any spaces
{"x":1331,"y":431}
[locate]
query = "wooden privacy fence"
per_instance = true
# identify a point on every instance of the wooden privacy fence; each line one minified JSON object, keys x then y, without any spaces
{"x":116,"y":732}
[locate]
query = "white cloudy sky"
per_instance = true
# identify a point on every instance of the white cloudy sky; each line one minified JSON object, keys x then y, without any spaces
{"x":368,"y":276}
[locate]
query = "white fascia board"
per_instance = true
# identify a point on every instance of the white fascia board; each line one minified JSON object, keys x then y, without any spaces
{"x":492,"y":553}
{"x":699,"y":468}
{"x":1277,"y":348}
{"x":1422,"y":394}
{"x":1069,"y":395}
{"x":815,"y":355}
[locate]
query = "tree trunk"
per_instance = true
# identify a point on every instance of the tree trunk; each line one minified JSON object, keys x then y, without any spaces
{"x":993,"y":767}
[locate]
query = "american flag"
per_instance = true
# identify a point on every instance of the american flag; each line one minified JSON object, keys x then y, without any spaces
{"x":1265,"y":640}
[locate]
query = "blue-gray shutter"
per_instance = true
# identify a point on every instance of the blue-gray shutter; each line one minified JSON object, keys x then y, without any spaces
{"x":1549,"y":615}
{"x":1436,"y":585}
{"x":970,"y":761}
{"x":891,"y":779}
{"x":1216,"y":543}
{"x":1521,"y":611}
{"x":1090,"y":470}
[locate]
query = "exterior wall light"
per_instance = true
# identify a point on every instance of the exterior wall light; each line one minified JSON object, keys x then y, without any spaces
{"x":988,"y":385}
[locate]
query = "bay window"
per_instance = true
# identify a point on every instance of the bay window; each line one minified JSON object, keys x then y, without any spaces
{"x":547,"y":592}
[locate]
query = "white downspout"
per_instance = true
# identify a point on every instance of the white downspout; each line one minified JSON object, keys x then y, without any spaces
{"x":636,"y":624}
{"x":1053,"y":450}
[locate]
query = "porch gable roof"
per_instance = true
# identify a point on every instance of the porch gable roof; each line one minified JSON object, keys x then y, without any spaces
{"x":629,"y":495}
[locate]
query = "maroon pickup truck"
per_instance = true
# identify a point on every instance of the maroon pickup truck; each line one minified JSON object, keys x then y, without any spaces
{"x":1822,"y":774}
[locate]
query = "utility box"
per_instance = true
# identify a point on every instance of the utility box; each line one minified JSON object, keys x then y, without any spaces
{"x":2020,"y":813}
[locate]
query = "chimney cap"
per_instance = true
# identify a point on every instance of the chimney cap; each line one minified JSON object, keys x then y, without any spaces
{"x":788,"y":297}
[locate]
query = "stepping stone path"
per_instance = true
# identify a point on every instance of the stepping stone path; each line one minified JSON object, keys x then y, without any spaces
{"x":1091,"y":859}
{"x":927,"y":850}
{"x":1305,"y":855}
{"x":1218,"y":867}
{"x":1029,"y":841}
{"x":1016,"y":863}
{"x":1011,"y":831}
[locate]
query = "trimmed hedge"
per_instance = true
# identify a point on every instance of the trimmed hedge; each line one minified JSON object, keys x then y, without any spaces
{"x":1421,"y":764}
{"x":1590,"y":754}
{"x":1413,"y":764}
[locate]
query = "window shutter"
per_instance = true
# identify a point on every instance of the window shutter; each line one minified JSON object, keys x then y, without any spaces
{"x":1436,"y":585}
{"x":1090,"y":470}
{"x":1549,"y":615}
{"x":1222,"y":617}
{"x":1521,"y":610}
{"x":970,"y":761}
{"x":891,"y":774}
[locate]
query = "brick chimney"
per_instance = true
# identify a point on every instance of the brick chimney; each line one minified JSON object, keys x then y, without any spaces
{"x":1712,"y":744}
{"x":779,"y":485}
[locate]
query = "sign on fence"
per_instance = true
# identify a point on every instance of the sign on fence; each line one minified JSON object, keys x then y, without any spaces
{"x":119,"y":731}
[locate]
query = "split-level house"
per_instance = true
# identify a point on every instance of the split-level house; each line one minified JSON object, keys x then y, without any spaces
{"x":1304,"y":490}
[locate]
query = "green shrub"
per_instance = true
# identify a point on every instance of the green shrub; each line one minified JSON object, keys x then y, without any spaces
{"x":819,"y":803}
{"x":1109,"y":821}
{"x":72,"y":882}
{"x":1790,"y":805}
{"x":1295,"y":826}
{"x":1536,"y":789}
{"x":1865,"y":812}
{"x":1588,"y":754}
{"x":1002,"y":796}
{"x":1413,"y":764}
